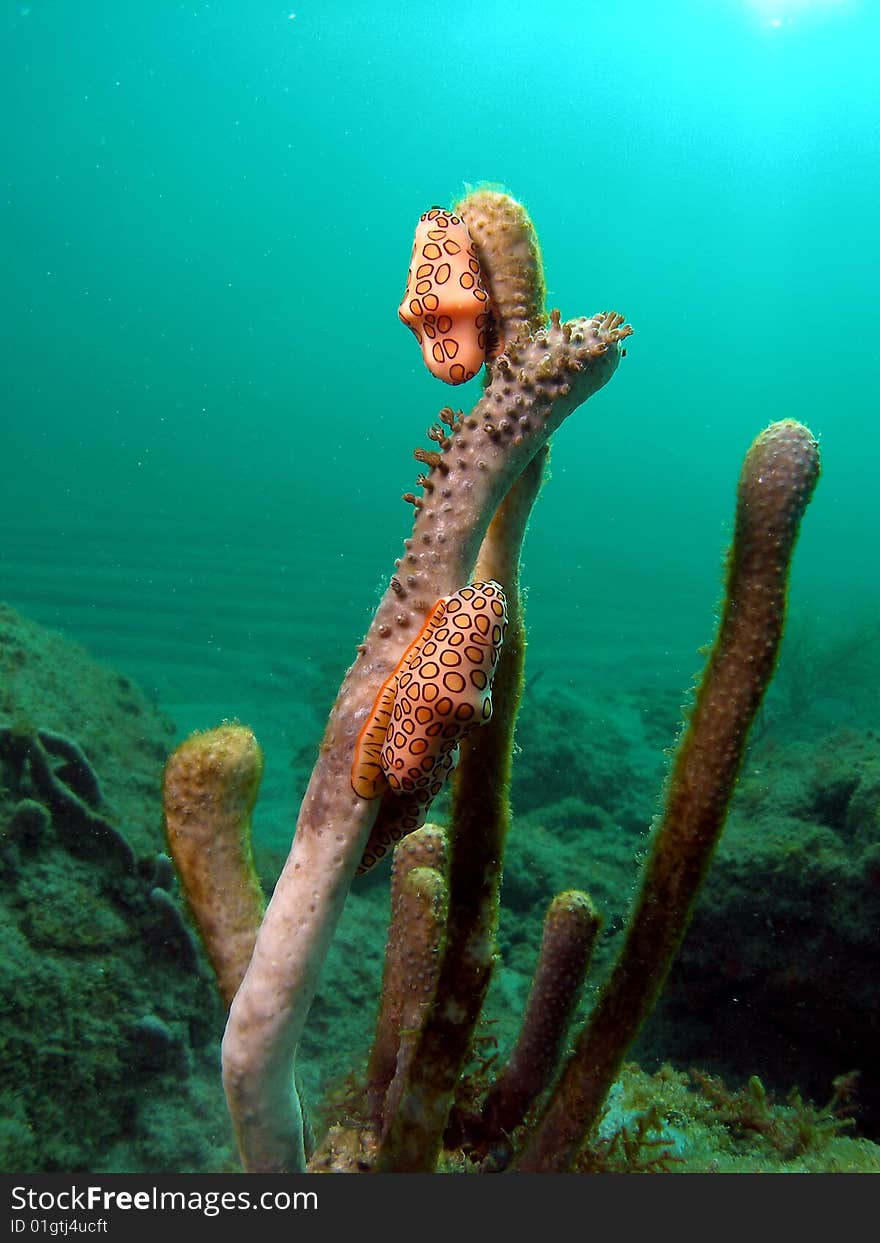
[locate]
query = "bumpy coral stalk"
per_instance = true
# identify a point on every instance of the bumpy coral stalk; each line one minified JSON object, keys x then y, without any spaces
{"x":570,"y":930}
{"x":426,"y":848}
{"x":480,"y":822}
{"x":777,"y":480}
{"x":420,"y":919}
{"x":532,"y":388}
{"x":510,"y":257}
{"x":209,"y":792}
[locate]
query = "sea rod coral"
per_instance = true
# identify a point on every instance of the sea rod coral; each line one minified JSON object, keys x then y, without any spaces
{"x":434,"y":673}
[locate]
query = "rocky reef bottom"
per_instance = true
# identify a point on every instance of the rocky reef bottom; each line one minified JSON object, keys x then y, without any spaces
{"x":761,"y":1055}
{"x":109,"y":1020}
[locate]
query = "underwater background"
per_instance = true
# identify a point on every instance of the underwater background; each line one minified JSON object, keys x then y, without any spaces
{"x":210,"y":408}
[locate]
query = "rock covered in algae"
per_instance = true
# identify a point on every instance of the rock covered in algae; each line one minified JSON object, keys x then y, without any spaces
{"x":109,"y":1024}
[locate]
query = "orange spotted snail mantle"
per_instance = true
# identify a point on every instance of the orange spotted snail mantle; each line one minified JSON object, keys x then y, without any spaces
{"x":446,"y":304}
{"x":440,"y":690}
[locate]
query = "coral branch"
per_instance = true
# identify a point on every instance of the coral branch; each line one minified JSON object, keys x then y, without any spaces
{"x":570,"y":930}
{"x":210,"y":788}
{"x":426,"y":848}
{"x":510,"y":257}
{"x":420,"y":917}
{"x":777,"y":480}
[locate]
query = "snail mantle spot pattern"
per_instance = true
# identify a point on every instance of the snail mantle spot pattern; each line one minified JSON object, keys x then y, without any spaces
{"x":446,"y":303}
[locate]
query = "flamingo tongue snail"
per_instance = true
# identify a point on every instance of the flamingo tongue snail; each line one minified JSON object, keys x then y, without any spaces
{"x":446,"y":304}
{"x":440,"y":690}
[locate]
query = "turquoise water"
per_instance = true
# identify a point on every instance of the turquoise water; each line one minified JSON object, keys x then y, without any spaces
{"x":209,"y":212}
{"x":211,"y":405}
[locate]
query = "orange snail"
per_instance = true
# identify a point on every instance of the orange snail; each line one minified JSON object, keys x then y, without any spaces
{"x":446,"y":303}
{"x":440,"y":690}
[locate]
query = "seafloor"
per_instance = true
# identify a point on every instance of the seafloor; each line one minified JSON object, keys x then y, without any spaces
{"x":761,"y":1055}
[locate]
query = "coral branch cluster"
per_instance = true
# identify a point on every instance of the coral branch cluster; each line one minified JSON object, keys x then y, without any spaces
{"x":478,"y":488}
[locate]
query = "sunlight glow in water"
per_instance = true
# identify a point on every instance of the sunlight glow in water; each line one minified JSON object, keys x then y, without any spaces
{"x":776,"y":14}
